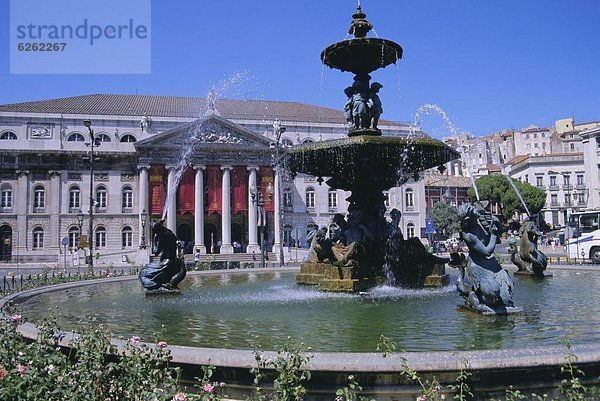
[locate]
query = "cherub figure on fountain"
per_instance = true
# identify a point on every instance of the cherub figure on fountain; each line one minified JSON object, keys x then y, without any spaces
{"x":483,"y":283}
{"x":166,"y":275}
{"x":527,"y":257}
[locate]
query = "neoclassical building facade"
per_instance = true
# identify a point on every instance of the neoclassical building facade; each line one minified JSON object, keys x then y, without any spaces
{"x":201,"y":166}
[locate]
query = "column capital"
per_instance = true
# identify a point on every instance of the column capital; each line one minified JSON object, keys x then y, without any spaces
{"x":143,"y":166}
{"x":199,"y":167}
{"x":226,"y":167}
{"x":54,"y":172}
{"x":22,"y":172}
{"x":255,"y":168}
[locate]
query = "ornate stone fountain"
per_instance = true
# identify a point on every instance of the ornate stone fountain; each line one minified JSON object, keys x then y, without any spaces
{"x":366,"y":164}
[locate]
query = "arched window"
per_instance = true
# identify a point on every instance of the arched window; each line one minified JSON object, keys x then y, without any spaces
{"x":100,"y":237}
{"x":287,"y":143}
{"x":76,"y":137}
{"x":38,"y":238}
{"x":310,"y":197}
{"x":6,"y":197}
{"x":102,"y":138}
{"x":410,"y":230}
{"x":127,"y":198}
{"x":74,"y":234}
{"x":101,"y":197}
{"x":410,"y":199}
{"x":128,"y":138}
{"x":8,"y":135}
{"x":126,"y":237}
{"x":39,"y":197}
{"x":332,"y":199}
{"x":308,"y":140}
{"x":74,"y":197}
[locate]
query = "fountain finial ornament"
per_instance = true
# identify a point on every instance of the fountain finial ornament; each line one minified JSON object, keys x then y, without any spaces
{"x":359,"y":26}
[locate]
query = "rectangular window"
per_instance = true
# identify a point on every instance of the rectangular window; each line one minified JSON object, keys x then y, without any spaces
{"x":410,"y":200}
{"x":539,"y":182}
{"x":74,"y":199}
{"x":310,"y":199}
{"x":567,"y":199}
{"x":6,"y":198}
{"x":553,"y":200}
{"x":580,"y":179}
{"x":552,"y":180}
{"x":333,"y":200}
{"x":581,"y":198}
{"x":566,"y":180}
{"x":101,"y":198}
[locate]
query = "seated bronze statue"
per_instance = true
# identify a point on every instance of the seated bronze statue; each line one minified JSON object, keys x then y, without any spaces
{"x":170,"y":271}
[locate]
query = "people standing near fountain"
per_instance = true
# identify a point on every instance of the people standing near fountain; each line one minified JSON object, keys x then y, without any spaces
{"x":374,"y":103}
{"x":484,"y":284}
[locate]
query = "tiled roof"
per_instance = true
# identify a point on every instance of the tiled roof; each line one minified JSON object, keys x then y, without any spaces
{"x":185,"y":107}
{"x":436,"y":180}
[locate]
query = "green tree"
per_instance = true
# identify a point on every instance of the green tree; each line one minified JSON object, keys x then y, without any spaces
{"x":497,"y":190}
{"x":445,"y":218}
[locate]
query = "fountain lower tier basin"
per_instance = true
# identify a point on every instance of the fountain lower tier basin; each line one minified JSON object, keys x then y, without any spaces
{"x":220,"y":317}
{"x":366,"y":161}
{"x":361,"y":55}
{"x":216,"y":319}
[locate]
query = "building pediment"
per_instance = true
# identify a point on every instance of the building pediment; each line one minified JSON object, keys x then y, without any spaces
{"x":212,"y":132}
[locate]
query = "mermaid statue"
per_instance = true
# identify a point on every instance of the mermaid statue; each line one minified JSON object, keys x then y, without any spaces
{"x":165,"y":275}
{"x":482,"y":282}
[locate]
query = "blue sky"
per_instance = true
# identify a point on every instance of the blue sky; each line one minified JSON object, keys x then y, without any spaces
{"x":489,"y":64}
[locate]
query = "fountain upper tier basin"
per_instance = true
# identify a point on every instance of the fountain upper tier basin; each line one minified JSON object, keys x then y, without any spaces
{"x":361,"y":55}
{"x":376,"y":162}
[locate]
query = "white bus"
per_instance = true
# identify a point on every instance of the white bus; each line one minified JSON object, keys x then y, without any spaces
{"x":582,"y":235}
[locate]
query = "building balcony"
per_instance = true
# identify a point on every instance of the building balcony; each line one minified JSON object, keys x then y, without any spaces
{"x":580,"y":187}
{"x":6,"y":209}
{"x":567,"y":187}
{"x":553,"y":188}
{"x":74,"y":209}
{"x":554,"y":204}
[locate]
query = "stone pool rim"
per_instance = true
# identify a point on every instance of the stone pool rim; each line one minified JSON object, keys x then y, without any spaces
{"x":335,"y":365}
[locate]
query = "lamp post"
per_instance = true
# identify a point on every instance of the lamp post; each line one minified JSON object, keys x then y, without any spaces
{"x":259,"y":200}
{"x":143,"y":216}
{"x":92,"y":144}
{"x":79,"y":224}
{"x":278,"y":129}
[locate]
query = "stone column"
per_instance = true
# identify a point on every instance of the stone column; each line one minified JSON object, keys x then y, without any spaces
{"x":199,"y":209}
{"x":171,"y":200}
{"x":142,"y":255}
{"x":143,"y":190}
{"x":277,"y":215}
{"x":21,"y":202}
{"x":226,"y":246}
{"x":252,"y":214}
{"x":54,"y":210}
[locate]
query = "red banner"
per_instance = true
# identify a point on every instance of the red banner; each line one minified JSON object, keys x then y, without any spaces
{"x":266,"y":178}
{"x":238,"y":181}
{"x":186,"y":191}
{"x":157,"y":189}
{"x":215,"y":184}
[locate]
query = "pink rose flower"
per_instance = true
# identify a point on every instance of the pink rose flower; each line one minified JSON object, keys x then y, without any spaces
{"x":3,"y":372}
{"x":22,"y":369}
{"x":208,"y":388}
{"x":15,"y":318}
{"x":162,"y":344}
{"x":135,"y":339}
{"x":179,"y":397}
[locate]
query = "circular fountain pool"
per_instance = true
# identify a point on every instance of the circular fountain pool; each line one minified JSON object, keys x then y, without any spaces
{"x":260,"y":309}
